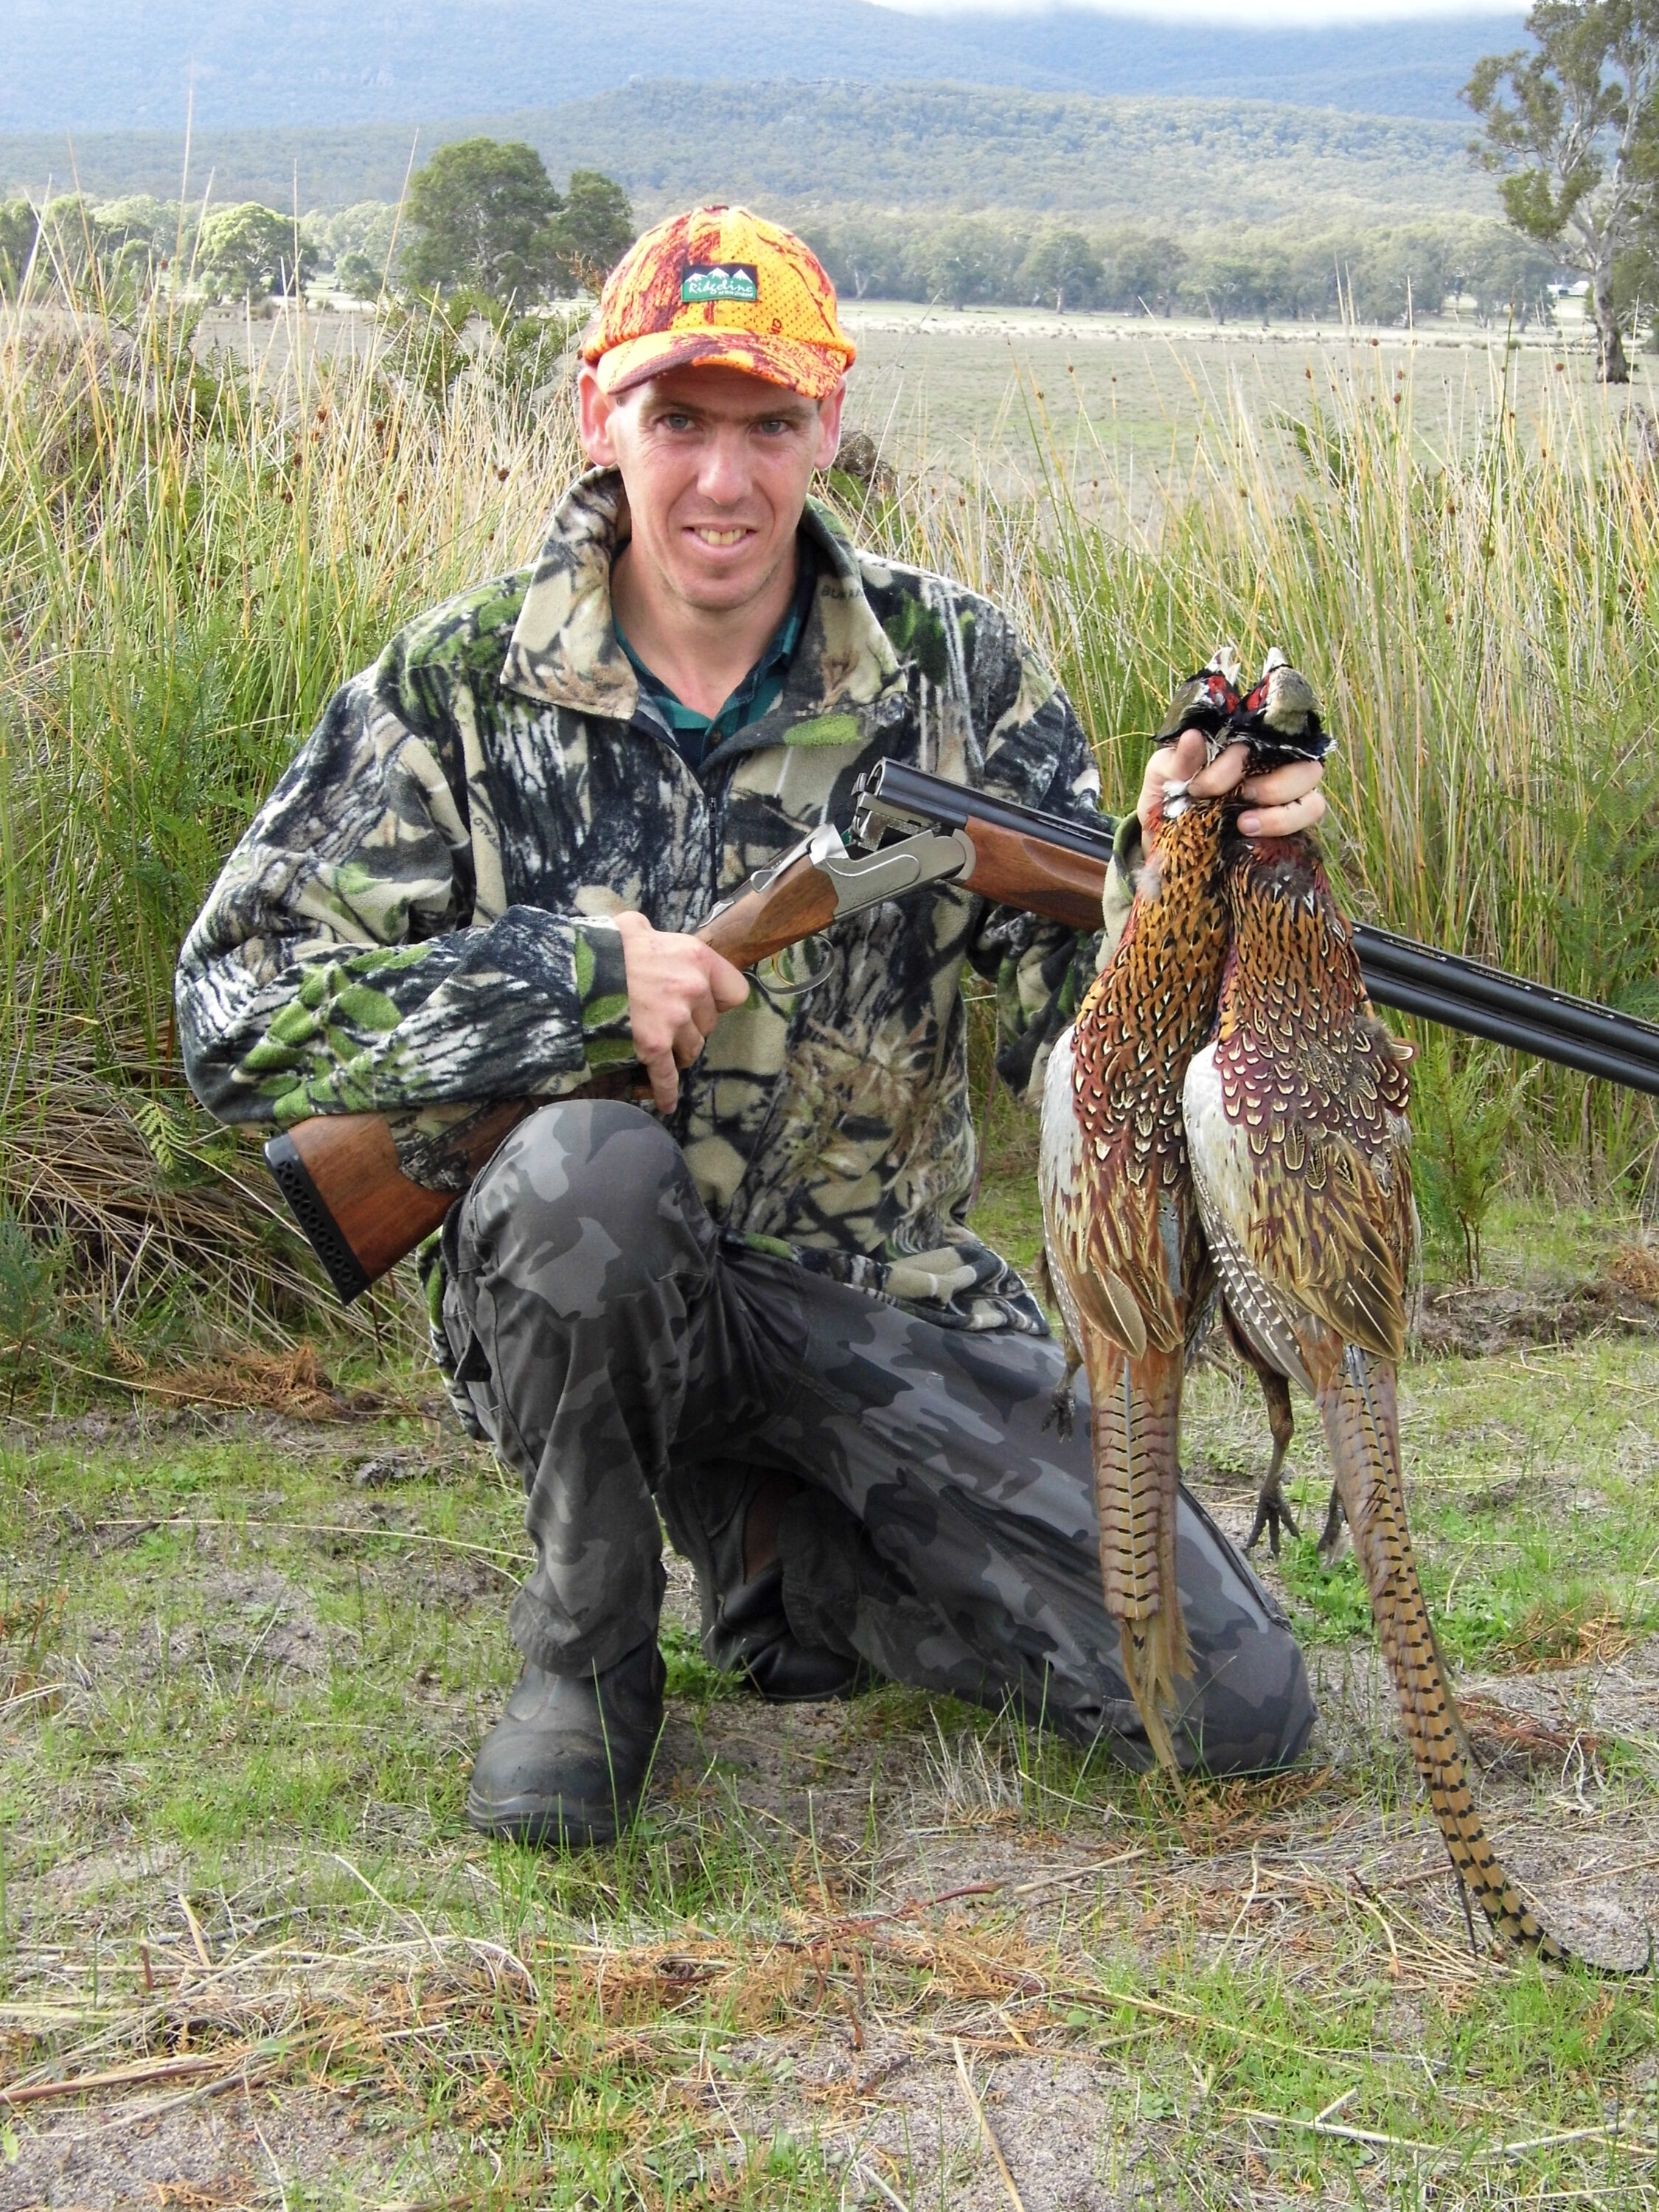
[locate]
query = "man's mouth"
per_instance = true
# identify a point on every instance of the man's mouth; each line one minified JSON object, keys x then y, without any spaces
{"x":709,"y":535}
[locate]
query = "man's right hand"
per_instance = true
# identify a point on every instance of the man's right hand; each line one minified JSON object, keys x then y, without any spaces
{"x":678,"y":989}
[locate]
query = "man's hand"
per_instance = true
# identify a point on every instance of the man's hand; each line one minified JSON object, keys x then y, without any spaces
{"x":1285,"y":801}
{"x":678,"y":989}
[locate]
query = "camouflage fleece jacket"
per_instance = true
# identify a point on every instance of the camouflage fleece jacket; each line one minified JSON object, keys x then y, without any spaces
{"x":419,"y":914}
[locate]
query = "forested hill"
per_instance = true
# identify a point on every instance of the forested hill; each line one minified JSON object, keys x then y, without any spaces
{"x":926,"y":146}
{"x":87,"y":65}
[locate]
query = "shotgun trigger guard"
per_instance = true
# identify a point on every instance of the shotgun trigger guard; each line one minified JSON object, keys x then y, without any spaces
{"x":779,"y":988}
{"x":929,"y":857}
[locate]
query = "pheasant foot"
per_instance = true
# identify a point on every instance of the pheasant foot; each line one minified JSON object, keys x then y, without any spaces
{"x":1273,"y":1514}
{"x":1062,"y":1415}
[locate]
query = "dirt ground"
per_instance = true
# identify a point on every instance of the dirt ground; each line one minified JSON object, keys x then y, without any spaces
{"x":887,"y":1951}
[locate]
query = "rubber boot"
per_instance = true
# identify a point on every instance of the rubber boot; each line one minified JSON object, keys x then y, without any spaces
{"x":752,"y":1635}
{"x":567,"y":1763}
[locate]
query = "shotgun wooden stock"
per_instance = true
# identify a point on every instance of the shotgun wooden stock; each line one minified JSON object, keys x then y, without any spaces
{"x":1013,"y":867}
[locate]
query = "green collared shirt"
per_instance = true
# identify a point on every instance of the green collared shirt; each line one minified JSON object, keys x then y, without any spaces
{"x":695,"y":735}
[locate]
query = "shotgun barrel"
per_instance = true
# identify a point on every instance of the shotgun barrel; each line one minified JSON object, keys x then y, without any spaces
{"x":1410,"y":978}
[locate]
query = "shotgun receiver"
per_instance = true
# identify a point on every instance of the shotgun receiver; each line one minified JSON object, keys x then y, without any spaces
{"x":340,"y":1175}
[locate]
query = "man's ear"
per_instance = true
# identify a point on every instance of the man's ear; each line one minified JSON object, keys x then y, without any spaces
{"x":829,"y":425}
{"x":597,"y":410}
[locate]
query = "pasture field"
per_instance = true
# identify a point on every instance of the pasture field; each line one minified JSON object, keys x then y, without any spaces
{"x":1112,"y":403}
{"x":1119,"y":400}
{"x":252,"y":1586}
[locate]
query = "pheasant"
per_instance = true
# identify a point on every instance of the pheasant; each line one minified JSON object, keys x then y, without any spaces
{"x":1297,"y":1130}
{"x":1124,"y":1255}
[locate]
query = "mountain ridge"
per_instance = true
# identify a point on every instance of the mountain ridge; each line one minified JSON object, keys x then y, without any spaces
{"x":87,"y":65}
{"x":927,"y":147}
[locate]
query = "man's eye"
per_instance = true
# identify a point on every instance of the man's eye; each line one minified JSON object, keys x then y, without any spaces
{"x":674,"y":422}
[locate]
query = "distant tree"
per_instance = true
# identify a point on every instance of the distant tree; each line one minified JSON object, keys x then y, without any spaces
{"x":1574,"y":141}
{"x":1145,"y":273}
{"x":871,"y":255}
{"x":368,"y":227}
{"x":18,"y":225}
{"x":246,"y":251}
{"x":973,"y":261}
{"x":594,"y":227}
{"x":480,"y":216}
{"x":1238,"y":280}
{"x":357,"y":275}
{"x":1065,"y":270}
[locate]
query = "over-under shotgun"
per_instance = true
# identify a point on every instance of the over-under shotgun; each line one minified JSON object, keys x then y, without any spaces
{"x":339,"y":1172}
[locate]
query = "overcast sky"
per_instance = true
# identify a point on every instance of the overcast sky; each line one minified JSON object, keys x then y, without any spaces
{"x":1258,"y":14}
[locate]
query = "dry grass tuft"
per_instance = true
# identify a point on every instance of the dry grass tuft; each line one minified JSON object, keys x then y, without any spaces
{"x":246,"y":1381}
{"x":1637,"y":1267}
{"x":1596,"y":1632}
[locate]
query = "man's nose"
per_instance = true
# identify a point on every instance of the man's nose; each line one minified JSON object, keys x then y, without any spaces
{"x":725,"y":477}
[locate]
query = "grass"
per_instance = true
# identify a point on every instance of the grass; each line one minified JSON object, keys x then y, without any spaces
{"x":240,"y":1688}
{"x":244,"y":1665}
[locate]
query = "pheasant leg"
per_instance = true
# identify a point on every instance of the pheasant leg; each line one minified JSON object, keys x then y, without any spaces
{"x":1330,"y":1537}
{"x":1062,"y":1415}
{"x":1271,"y":1513}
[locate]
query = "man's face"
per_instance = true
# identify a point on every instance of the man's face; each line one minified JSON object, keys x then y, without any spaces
{"x":716,"y":465}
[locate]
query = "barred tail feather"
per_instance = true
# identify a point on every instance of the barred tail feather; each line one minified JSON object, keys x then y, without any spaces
{"x":1357,"y":1404}
{"x":1137,"y":1409}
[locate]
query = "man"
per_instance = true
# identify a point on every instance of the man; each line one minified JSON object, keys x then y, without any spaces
{"x":756,"y":1311}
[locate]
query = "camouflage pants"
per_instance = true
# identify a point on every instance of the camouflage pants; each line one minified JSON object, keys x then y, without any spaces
{"x":625,"y":1358}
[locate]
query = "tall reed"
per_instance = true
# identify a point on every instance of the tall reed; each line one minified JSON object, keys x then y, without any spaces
{"x":191,"y":556}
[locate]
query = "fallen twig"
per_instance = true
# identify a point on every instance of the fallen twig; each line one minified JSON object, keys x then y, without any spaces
{"x":120,"y":2077}
{"x":195,"y":1934}
{"x":484,"y":1552}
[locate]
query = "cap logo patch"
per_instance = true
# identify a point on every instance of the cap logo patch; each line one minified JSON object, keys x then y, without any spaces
{"x":720,"y":280}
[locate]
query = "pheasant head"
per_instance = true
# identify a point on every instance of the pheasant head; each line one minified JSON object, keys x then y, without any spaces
{"x":1208,"y":702}
{"x":1280,"y":719}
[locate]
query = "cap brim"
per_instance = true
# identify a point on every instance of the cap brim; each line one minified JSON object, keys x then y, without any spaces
{"x":812,"y":371}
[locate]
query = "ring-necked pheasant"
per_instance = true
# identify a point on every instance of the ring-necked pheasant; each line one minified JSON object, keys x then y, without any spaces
{"x":1299,"y":1142}
{"x":1125,"y":1256}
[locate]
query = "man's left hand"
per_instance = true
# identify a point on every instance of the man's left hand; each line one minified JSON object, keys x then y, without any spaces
{"x":1283,"y":801}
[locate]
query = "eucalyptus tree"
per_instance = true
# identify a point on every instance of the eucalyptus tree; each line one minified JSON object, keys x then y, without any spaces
{"x":1570,"y":126}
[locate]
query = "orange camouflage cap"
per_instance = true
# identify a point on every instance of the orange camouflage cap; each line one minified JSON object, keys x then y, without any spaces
{"x":719,"y":288}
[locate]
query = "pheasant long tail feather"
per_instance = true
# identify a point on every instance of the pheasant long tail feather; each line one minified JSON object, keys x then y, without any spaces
{"x":1357,"y":1404}
{"x":1137,"y":1412}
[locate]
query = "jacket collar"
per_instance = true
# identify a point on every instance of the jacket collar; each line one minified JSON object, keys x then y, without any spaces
{"x":563,"y":650}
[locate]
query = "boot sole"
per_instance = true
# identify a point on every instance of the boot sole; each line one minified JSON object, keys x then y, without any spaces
{"x":554,"y":1824}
